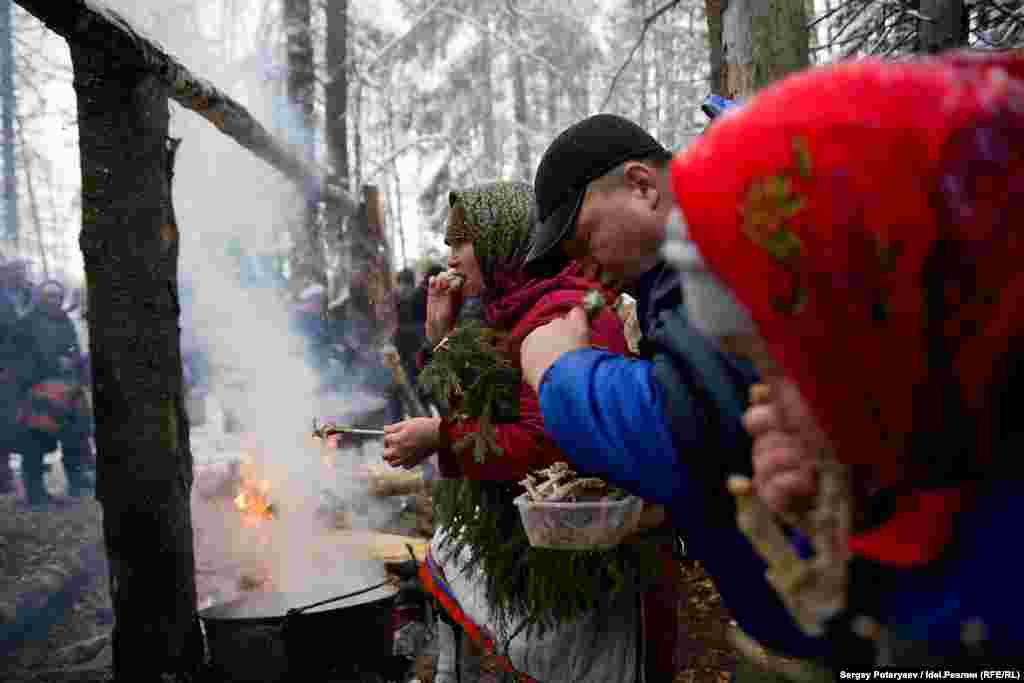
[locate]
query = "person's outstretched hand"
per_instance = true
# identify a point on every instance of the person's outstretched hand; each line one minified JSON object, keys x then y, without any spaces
{"x":410,"y":442}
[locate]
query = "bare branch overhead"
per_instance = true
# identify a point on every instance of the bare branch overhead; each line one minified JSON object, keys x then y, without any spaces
{"x":88,"y":23}
{"x":636,"y":46}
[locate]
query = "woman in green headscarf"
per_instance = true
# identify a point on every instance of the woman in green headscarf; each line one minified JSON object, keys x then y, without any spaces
{"x":579,"y":609}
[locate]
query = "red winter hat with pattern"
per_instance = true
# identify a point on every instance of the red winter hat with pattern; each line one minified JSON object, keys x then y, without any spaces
{"x":869,"y":217}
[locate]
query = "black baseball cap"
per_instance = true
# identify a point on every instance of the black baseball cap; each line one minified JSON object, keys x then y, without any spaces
{"x":582,"y":153}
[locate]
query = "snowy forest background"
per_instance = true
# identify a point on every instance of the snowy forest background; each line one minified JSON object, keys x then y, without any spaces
{"x":424,"y":95}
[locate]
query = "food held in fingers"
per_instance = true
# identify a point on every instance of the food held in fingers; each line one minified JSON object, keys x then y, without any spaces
{"x":453,"y":278}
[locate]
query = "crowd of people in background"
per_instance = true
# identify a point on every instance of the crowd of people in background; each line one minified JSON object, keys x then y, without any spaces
{"x":44,"y":398}
{"x":342,"y":340}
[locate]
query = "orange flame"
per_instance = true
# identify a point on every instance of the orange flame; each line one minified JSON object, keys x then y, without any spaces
{"x":253,"y":500}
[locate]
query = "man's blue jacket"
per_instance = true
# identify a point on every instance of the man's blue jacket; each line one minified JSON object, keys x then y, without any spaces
{"x":668,"y":428}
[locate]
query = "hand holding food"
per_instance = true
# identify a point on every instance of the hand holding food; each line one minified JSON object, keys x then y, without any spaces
{"x":785,"y":470}
{"x":443,"y":299}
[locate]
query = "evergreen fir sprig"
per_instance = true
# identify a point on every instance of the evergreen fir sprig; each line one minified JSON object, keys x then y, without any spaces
{"x":544,"y":586}
{"x":469,"y":374}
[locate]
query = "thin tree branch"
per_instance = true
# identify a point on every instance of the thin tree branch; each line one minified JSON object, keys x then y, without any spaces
{"x":399,"y":39}
{"x":636,"y":46}
{"x":88,"y":23}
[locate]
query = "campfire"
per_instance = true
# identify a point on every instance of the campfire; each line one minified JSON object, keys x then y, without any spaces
{"x":253,"y":500}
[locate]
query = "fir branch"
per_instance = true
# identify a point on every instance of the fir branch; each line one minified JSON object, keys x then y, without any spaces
{"x":469,"y":373}
{"x":544,"y":586}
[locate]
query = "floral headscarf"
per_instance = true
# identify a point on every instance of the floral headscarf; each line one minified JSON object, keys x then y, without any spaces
{"x":496,"y":218}
{"x":869,"y":217}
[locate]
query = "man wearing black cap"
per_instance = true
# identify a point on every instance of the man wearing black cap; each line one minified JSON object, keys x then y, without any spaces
{"x":668,"y":428}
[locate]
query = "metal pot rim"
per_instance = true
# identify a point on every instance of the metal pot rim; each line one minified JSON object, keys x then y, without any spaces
{"x":222,"y":612}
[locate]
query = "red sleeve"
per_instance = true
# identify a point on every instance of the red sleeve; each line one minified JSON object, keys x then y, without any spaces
{"x":608,"y":332}
{"x":524,"y":443}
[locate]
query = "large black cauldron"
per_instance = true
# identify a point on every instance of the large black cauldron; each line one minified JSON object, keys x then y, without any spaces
{"x":267,"y":638}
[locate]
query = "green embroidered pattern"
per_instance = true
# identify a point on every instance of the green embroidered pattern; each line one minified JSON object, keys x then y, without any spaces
{"x":770,"y":203}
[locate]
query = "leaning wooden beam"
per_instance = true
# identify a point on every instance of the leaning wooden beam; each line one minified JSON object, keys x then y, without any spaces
{"x":90,"y":24}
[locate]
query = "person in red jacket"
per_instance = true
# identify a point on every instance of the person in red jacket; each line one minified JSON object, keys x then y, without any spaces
{"x":491,"y":435}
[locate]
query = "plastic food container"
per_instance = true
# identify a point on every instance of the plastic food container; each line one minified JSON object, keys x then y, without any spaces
{"x":589,"y":525}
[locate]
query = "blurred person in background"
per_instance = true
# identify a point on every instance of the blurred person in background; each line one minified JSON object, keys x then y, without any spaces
{"x":19,"y":361}
{"x":353,"y":339}
{"x":58,"y":410}
{"x":16,"y":291}
{"x":412,"y":318}
{"x":306,"y":321}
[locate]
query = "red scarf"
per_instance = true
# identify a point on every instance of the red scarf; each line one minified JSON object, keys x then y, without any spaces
{"x":869,"y":215}
{"x":511,"y":307}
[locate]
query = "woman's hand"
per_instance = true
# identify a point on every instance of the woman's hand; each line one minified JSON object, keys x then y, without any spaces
{"x":410,"y":442}
{"x":785,"y":470}
{"x":442,"y":303}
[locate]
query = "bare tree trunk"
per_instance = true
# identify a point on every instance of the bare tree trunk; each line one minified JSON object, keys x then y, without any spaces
{"x":129,"y":243}
{"x":9,"y":104}
{"x":396,"y":202}
{"x":357,"y":137}
{"x":944,"y":28}
{"x":336,"y":90}
{"x":713,"y":10}
{"x":308,"y":265}
{"x":492,"y":150}
{"x":371,"y":263}
{"x":33,"y":202}
{"x":762,"y":41}
{"x":553,"y":91}
{"x":645,"y":88}
{"x":336,"y":127}
{"x":522,"y":142}
{"x":580,"y":91}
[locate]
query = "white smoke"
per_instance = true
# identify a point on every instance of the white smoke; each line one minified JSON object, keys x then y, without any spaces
{"x":224,"y":194}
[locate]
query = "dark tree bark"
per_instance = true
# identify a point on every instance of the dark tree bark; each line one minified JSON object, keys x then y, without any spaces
{"x":298,"y":29}
{"x":336,"y":124}
{"x":713,"y":10}
{"x":946,"y":25}
{"x":129,"y":242}
{"x":337,"y":89}
{"x":763,"y":40}
{"x":308,"y":264}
